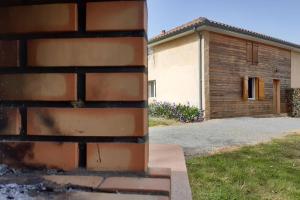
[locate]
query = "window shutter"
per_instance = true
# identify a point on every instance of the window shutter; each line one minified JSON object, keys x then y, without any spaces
{"x":249,"y":51}
{"x":261,"y":89}
{"x":256,"y":88}
{"x":245,"y":88}
{"x":255,"y":54}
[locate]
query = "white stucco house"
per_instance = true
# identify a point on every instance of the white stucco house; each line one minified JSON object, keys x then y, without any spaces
{"x":184,"y":62}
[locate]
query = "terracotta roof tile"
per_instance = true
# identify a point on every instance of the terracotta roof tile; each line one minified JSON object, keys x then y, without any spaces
{"x":185,"y":26}
{"x":197,"y":23}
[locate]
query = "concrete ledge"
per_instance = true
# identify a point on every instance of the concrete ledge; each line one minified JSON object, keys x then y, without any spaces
{"x":172,"y":157}
{"x":33,"y":186}
{"x":167,"y":179}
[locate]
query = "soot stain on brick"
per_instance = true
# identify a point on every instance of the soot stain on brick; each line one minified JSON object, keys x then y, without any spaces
{"x":47,"y":119}
{"x":49,"y":122}
{"x":59,"y":143}
{"x":3,"y":119}
{"x":16,"y":153}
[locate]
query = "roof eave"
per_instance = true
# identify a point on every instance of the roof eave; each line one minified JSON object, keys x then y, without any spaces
{"x":247,"y":37}
{"x":211,"y":28}
{"x":171,"y":37}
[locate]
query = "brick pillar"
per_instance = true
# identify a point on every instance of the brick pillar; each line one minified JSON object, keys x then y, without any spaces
{"x":73,"y":85}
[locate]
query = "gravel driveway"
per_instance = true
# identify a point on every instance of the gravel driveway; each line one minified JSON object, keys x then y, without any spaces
{"x":206,"y":137}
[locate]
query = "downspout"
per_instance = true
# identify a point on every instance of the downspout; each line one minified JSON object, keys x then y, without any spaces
{"x":200,"y":71}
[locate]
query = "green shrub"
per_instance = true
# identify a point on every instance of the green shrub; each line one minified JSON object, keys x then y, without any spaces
{"x":294,"y":102}
{"x":183,"y":113}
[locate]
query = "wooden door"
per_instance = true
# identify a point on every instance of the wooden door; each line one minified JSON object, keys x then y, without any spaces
{"x":276,"y":96}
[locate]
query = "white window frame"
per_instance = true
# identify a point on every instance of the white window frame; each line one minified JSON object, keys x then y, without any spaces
{"x":253,"y":88}
{"x":152,"y":83}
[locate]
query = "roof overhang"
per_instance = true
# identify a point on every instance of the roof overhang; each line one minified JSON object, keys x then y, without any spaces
{"x":167,"y":39}
{"x":223,"y":31}
{"x":246,"y":37}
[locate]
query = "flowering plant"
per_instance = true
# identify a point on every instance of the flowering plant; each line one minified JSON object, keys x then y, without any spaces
{"x":183,"y":113}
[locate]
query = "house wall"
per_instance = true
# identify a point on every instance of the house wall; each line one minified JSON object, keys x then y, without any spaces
{"x":205,"y":74}
{"x":228,"y":65}
{"x":295,"y":70}
{"x":175,"y":67}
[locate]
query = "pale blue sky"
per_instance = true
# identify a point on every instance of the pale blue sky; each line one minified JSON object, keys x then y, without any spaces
{"x":277,"y":18}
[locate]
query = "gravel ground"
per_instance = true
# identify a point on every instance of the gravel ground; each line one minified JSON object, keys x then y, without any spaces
{"x":17,"y":192}
{"x":15,"y":185}
{"x":209,"y":136}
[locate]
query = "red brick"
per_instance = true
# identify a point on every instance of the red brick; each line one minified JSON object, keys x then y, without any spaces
{"x":116,"y":87}
{"x":9,"y":53}
{"x":42,"y":87}
{"x":38,"y":18}
{"x":117,"y":157}
{"x":117,"y":15}
{"x":133,"y":184}
{"x":40,"y":155}
{"x":124,"y":51}
{"x":10,"y":121}
{"x":87,"y":121}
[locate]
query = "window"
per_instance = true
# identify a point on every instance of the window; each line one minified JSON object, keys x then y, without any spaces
{"x":252,"y":53}
{"x":152,"y":88}
{"x":251,"y":88}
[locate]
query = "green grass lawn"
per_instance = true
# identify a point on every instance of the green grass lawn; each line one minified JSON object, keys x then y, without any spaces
{"x":162,"y":122}
{"x":267,"y":171}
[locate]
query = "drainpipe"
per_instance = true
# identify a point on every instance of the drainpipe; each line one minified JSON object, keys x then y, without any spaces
{"x":200,"y":71}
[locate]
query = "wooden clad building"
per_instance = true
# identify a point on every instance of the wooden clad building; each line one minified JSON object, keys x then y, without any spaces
{"x":224,"y":70}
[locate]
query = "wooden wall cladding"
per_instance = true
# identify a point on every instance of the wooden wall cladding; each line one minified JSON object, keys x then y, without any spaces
{"x":228,"y":67}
